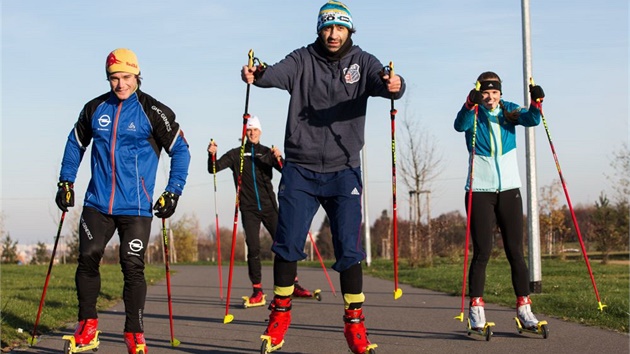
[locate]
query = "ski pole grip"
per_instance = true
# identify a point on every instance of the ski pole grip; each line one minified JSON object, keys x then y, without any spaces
{"x":250,"y":60}
{"x":531,"y":83}
{"x":277,"y":158}
{"x":391,"y":69}
{"x":477,"y":85}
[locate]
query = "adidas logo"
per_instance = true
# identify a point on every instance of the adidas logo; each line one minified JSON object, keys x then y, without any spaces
{"x":355,"y":191}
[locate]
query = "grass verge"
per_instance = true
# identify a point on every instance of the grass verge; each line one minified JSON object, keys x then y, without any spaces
{"x":567,"y":291}
{"x":21,"y":288}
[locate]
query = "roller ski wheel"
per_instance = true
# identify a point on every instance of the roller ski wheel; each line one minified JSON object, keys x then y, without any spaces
{"x":541,"y":328}
{"x":70,"y":346}
{"x":267,"y":347}
{"x":141,"y":349}
{"x":247,"y":301}
{"x":486,"y":331}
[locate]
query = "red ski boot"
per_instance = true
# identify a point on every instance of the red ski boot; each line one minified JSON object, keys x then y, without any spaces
{"x":355,"y":332}
{"x":279,"y":320}
{"x":258,"y":298}
{"x":85,"y":337}
{"x":85,"y":331}
{"x":301,"y":292}
{"x":135,"y":343}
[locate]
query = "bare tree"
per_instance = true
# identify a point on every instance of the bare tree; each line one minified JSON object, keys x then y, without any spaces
{"x":621,"y":178}
{"x":552,"y":218}
{"x":420,"y":164}
{"x":186,"y":232}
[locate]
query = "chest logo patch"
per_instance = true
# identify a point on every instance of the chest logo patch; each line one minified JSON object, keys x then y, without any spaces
{"x":104,"y":120}
{"x":352,"y":74}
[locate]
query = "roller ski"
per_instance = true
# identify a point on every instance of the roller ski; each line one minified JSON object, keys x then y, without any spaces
{"x":135,"y":343}
{"x":356,"y":334}
{"x":85,"y":337}
{"x":279,"y":320}
{"x":258,"y":298}
{"x":525,"y":319}
{"x":477,"y":323}
{"x":300,"y":292}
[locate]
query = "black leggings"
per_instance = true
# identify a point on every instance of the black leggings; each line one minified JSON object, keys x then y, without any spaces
{"x":95,"y":231}
{"x":251,"y":220}
{"x":504,"y":209}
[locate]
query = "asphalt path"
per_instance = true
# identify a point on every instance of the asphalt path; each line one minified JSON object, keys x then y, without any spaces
{"x":421,"y":321}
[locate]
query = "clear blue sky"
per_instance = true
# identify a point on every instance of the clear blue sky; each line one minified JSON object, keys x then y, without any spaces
{"x":190,"y":54}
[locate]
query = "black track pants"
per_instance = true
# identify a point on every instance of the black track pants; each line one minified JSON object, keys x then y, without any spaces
{"x":95,"y":231}
{"x":504,"y":209}
{"x":251,"y":220}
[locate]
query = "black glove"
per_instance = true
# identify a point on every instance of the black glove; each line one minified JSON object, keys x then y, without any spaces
{"x":536,"y":93}
{"x":474,"y":97}
{"x":65,"y":195}
{"x":165,"y":205}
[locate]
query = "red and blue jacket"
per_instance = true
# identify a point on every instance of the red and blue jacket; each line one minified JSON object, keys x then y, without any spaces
{"x":128,"y":137}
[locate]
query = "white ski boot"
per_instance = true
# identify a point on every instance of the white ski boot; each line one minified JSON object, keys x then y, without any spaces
{"x":525,"y":319}
{"x":477,"y":323}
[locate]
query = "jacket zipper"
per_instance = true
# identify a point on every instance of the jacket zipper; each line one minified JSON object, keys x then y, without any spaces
{"x":113,"y":158}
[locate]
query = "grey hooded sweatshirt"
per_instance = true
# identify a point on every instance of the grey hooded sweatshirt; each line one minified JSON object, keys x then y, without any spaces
{"x":326,"y":118}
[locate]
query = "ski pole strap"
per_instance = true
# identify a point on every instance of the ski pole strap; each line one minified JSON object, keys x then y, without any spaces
{"x":260,"y":65}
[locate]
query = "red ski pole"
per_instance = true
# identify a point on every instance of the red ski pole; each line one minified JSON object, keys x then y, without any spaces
{"x":216,"y":222}
{"x":600,"y":306}
{"x":174,"y":342}
{"x":321,"y":261}
{"x":319,"y":256}
{"x":229,"y":317}
{"x":469,"y":208}
{"x":33,"y":340}
{"x":392,"y":114}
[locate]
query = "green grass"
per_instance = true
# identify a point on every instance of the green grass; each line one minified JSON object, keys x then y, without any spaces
{"x":567,"y":291}
{"x":21,"y":289}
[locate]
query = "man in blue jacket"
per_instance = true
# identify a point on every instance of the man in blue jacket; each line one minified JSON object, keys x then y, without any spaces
{"x":128,"y":129}
{"x":329,"y":82}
